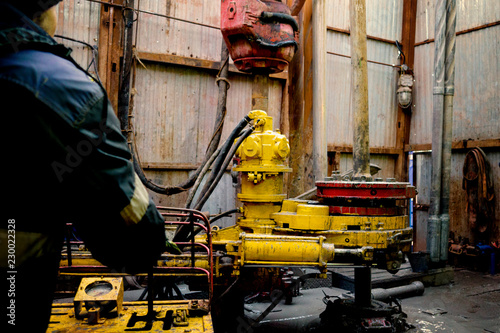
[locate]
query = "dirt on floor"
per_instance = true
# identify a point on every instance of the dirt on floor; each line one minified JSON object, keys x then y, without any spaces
{"x":470,"y":304}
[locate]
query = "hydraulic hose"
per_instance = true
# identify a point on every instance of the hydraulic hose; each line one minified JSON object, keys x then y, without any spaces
{"x":206,"y":194}
{"x":281,"y":18}
{"x":212,"y":185}
{"x":224,"y":214}
{"x":224,"y":152}
{"x":204,"y":171}
{"x":182,"y":232}
{"x":170,"y":190}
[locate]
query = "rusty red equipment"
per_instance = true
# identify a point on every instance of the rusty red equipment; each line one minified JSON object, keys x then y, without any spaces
{"x":261,"y":35}
{"x":364,"y":198}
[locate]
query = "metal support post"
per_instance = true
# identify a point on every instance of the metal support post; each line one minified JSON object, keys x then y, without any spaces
{"x":363,"y":286}
{"x":434,"y":222}
{"x":449,"y":91}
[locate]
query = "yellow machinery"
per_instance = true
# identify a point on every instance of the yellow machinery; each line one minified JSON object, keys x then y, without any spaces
{"x":99,"y":305}
{"x":356,"y":222}
{"x":275,"y":231}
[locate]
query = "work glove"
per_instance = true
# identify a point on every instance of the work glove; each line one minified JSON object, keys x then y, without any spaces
{"x":172,"y":248}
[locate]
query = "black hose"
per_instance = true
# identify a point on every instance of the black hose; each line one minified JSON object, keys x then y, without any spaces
{"x":213,"y":184}
{"x":170,"y":190}
{"x":281,"y":18}
{"x":207,"y":166}
{"x":206,"y":194}
{"x":277,"y":44}
{"x":224,"y":152}
{"x":182,"y":231}
{"x":224,"y":214}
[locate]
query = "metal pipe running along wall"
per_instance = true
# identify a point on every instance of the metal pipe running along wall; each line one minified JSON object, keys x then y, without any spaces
{"x":449,"y":91}
{"x":444,"y":69}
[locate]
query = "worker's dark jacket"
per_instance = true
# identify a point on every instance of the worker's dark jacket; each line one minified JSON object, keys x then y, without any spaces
{"x":64,"y":160}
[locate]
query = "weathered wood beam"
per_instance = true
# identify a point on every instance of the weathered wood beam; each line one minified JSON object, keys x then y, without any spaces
{"x":458,"y":145}
{"x":373,"y":150}
{"x":462,"y":32}
{"x":172,"y":166}
{"x":404,"y":118}
{"x":110,"y":50}
{"x":348,"y":32}
{"x":172,"y":59}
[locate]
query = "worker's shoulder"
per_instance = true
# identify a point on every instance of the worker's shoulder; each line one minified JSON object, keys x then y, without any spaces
{"x":54,"y":81}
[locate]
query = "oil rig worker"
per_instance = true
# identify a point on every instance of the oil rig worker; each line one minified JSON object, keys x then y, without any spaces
{"x":66,"y":161}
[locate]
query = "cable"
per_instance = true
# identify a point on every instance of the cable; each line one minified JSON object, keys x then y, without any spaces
{"x":213,"y":184}
{"x":401,"y":51}
{"x":93,"y":50}
{"x":221,"y":215}
{"x":218,"y":170}
{"x":203,"y":172}
{"x":153,"y":13}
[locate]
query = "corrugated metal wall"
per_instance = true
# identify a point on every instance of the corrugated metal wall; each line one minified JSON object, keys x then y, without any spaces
{"x":161,"y":35}
{"x":79,"y":20}
{"x":175,"y":105}
{"x":174,"y":118}
{"x":477,"y":62}
{"x":476,"y":104}
{"x":384,"y":20}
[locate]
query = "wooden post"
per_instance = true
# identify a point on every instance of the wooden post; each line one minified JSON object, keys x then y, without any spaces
{"x":260,"y":92}
{"x":110,"y":50}
{"x":359,"y":90}
{"x":403,"y":118}
{"x":320,"y":159}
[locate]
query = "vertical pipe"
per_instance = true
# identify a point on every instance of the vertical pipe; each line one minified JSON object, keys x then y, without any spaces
{"x":434,"y":222}
{"x":221,"y":100}
{"x":492,"y":262}
{"x":68,"y":245}
{"x":296,"y":118}
{"x":363,"y":286}
{"x":449,"y":91}
{"x":126,"y":69}
{"x":151,"y":296}
{"x":320,"y":156}
{"x":359,"y":90}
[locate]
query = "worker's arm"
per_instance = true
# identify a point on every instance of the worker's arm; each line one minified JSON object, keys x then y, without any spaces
{"x":70,"y":150}
{"x":124,"y":228}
